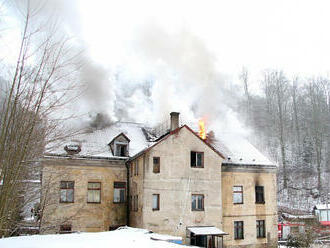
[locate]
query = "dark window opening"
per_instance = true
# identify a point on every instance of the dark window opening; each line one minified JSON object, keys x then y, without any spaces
{"x":197,"y":159}
{"x":156,"y":165}
{"x":121,"y":150}
{"x":198,"y":240}
{"x":66,"y":191}
{"x":260,"y":194}
{"x":261,"y":232}
{"x":65,"y":229}
{"x":238,"y":230}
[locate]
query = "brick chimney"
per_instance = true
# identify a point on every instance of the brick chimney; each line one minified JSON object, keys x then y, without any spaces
{"x":174,"y":120}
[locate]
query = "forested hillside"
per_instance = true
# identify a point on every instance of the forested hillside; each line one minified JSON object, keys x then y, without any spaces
{"x":291,"y":124}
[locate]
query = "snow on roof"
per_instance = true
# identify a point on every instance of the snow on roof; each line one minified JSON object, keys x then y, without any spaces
{"x":239,"y":150}
{"x":206,"y":230}
{"x":122,"y":237}
{"x":96,"y":143}
{"x":322,"y":206}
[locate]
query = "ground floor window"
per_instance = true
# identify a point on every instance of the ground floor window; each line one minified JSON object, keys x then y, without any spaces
{"x":261,"y":229}
{"x":238,"y":230}
{"x":65,"y":229}
{"x":119,"y":192}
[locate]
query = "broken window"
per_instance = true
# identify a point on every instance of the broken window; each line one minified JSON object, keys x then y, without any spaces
{"x":260,"y":194}
{"x":66,"y":191}
{"x":261,"y":233}
{"x":238,"y":230}
{"x":197,"y":159}
{"x":155,"y":202}
{"x":238,"y":194}
{"x":156,"y":163}
{"x":121,"y":150}
{"x":197,"y":202}
{"x":65,"y":229}
{"x":94,"y":192}
{"x":119,"y":192}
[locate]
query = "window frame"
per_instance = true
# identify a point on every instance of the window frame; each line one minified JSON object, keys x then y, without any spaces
{"x":63,"y":227}
{"x":238,"y":225}
{"x":261,"y":229}
{"x":241,"y":192}
{"x":136,"y":167}
{"x":66,"y":194}
{"x":116,"y":185}
{"x":154,"y":168}
{"x":191,"y":161}
{"x":158,"y":202}
{"x":258,"y":191}
{"x":196,"y":204}
{"x":92,"y":189}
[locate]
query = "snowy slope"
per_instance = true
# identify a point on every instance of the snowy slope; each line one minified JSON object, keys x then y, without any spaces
{"x":123,"y":238}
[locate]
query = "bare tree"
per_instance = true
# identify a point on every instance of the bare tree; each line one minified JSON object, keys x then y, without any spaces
{"x":37,"y":87}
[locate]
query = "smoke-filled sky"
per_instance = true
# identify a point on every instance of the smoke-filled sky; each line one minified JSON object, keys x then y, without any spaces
{"x":144,"y":59}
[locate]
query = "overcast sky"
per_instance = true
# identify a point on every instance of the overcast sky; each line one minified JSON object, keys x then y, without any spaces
{"x":191,"y":49}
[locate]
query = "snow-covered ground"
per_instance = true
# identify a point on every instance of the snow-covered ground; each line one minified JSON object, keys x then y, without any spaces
{"x":123,"y":238}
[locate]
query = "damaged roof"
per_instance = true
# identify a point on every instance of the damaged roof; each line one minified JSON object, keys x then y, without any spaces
{"x":235,"y":149}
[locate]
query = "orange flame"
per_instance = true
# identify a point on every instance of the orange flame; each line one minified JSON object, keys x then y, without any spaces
{"x":202,"y":133}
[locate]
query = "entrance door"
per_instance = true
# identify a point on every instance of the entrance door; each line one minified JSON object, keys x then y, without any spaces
{"x":198,"y":240}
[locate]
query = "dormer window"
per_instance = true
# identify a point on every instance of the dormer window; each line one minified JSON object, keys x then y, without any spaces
{"x":121,"y":150}
{"x":119,"y":145}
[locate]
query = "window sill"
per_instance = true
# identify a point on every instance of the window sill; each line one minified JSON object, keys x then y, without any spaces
{"x":261,"y":237}
{"x":198,"y":210}
{"x":197,"y":167}
{"x":94,"y":202}
{"x":156,"y":209}
{"x":238,"y":203}
{"x":118,"y":202}
{"x":66,"y":202}
{"x":239,"y":239}
{"x":260,"y":202}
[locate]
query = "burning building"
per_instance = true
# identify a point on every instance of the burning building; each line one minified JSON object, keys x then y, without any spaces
{"x":176,"y":183}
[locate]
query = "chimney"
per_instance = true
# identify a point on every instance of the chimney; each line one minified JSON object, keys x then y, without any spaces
{"x":174,"y":120}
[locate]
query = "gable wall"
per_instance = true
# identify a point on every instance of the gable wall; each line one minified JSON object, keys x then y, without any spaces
{"x":177,"y":181}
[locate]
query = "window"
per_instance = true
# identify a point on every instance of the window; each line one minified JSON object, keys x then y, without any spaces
{"x":130,"y":203}
{"x":94,"y":192}
{"x":132,"y":169}
{"x":261,"y":229}
{"x":66,"y":191}
{"x":136,"y":168}
{"x":65,"y":229}
{"x":197,"y":159}
{"x":121,"y":150}
{"x":260,"y":194}
{"x":238,"y":230}
{"x":119,"y":189}
{"x":156,"y":162}
{"x":135,"y":203}
{"x":197,"y":202}
{"x":238,"y":194}
{"x":155,"y":202}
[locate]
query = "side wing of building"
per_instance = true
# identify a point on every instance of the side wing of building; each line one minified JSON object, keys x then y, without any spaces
{"x":249,"y":205}
{"x":82,"y":194}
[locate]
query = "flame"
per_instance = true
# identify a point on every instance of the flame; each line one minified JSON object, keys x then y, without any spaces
{"x":202,"y":133}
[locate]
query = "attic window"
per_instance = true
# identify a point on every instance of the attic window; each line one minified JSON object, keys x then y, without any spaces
{"x":121,"y":150}
{"x":197,"y":159}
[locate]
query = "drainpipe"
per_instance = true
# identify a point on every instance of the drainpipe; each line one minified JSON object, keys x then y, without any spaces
{"x":127,"y":195}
